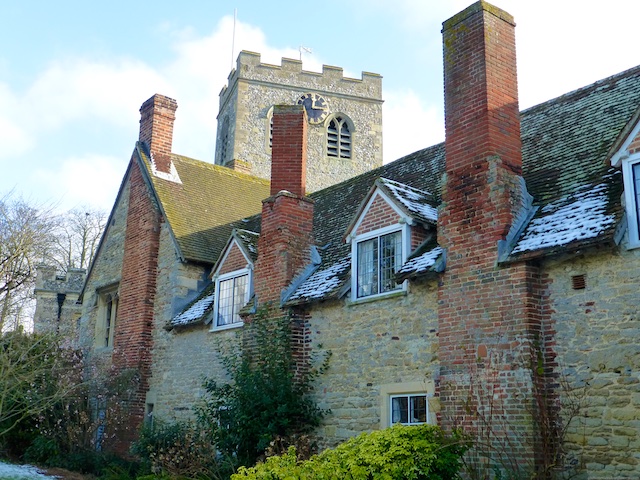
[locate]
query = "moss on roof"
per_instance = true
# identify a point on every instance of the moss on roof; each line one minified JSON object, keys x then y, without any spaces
{"x":211,"y":200}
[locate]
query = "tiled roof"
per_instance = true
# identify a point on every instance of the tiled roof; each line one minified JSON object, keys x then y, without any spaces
{"x":565,"y":146}
{"x":248,"y":241}
{"x":195,"y":312}
{"x":209,"y":202}
{"x":417,"y":203}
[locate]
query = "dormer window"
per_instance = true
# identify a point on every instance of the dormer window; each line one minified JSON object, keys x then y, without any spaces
{"x":232,"y":293}
{"x":379,"y":258}
{"x":232,"y":277}
{"x":631,"y":174}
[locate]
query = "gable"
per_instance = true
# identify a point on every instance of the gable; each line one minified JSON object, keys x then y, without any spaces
{"x":379,"y":213}
{"x":233,"y":259}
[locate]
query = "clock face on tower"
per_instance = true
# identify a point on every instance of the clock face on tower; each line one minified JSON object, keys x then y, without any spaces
{"x":316,"y":106}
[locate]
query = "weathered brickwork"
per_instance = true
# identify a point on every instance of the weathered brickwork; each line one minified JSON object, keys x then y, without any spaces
{"x":235,"y":260}
{"x":133,"y":332}
{"x":379,"y":215}
{"x":386,"y":341}
{"x":254,"y":88}
{"x":487,"y":322}
{"x":599,"y":359}
{"x":156,"y":128}
{"x":635,"y":145}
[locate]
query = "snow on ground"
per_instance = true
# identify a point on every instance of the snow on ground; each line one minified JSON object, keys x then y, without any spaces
{"x":21,"y":472}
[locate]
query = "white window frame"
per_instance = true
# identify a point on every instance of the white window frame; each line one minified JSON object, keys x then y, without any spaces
{"x":424,"y":387}
{"x":405,"y":242}
{"x":408,"y":396}
{"x":630,"y":197}
{"x":222,"y":278}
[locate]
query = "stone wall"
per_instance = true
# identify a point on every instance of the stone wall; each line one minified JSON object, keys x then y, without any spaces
{"x":254,"y":88}
{"x":181,"y":357}
{"x":387,"y":345}
{"x":599,"y":359}
{"x":106,"y":271}
{"x":56,"y":296}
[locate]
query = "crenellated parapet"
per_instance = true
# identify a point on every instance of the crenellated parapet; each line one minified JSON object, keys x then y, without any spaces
{"x":291,"y":74}
{"x":56,"y":296}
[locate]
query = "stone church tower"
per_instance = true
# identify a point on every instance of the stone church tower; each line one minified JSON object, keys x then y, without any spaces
{"x":344,"y":119}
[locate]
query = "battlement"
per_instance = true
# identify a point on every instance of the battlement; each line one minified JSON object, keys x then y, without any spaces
{"x":50,"y":280}
{"x":291,"y":74}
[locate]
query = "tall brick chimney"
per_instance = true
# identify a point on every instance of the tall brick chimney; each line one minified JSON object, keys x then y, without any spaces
{"x":287,"y":215}
{"x":488,"y":330}
{"x":156,"y":129}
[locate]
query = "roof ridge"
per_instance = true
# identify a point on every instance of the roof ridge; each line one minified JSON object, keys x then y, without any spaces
{"x":584,"y":89}
{"x":220,"y":168}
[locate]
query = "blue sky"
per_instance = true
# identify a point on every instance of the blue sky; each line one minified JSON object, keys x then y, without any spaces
{"x":73,"y":74}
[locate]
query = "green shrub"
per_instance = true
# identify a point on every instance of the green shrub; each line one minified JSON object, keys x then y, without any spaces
{"x":397,"y":453}
{"x":267,"y":399}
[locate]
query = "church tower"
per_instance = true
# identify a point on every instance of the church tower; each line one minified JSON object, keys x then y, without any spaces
{"x":344,"y":119}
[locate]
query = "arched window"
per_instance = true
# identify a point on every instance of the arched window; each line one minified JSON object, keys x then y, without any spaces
{"x":269,"y":129}
{"x":339,"y":137}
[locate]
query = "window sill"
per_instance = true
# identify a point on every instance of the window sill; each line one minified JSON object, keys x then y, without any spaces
{"x":380,"y":296}
{"x":231,"y":326}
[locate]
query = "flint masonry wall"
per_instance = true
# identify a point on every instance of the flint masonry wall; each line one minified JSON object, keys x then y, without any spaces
{"x":599,"y":359}
{"x":254,"y":88}
{"x":377,"y":347}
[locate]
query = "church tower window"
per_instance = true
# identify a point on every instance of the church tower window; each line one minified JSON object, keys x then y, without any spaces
{"x":339,"y":137}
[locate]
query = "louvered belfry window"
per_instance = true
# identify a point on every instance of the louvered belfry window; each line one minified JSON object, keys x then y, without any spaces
{"x":339,"y":138}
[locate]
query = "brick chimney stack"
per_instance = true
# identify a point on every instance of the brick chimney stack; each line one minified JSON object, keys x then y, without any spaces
{"x":156,"y":129}
{"x":287,"y":215}
{"x":489,"y":333}
{"x":289,"y":150}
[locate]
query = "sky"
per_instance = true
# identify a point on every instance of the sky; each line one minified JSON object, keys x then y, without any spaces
{"x":74,"y":73}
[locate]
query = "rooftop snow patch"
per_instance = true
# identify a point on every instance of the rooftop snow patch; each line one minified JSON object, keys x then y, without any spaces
{"x":194,"y":312}
{"x":415,"y":201}
{"x":576,"y":217}
{"x":420,"y":263}
{"x":322,"y":282}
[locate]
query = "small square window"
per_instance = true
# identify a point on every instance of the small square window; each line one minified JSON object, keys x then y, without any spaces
{"x":409,"y":409}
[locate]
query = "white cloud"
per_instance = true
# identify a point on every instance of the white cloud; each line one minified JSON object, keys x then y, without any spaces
{"x":79,"y":89}
{"x":409,"y":124}
{"x":14,"y":139}
{"x":199,"y":72}
{"x":91,"y":180}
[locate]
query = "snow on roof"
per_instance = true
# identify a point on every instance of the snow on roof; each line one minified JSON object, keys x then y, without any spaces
{"x":414,"y":200}
{"x":195,"y":311}
{"x":322,"y":281}
{"x":577,"y":217}
{"x":249,"y":240}
{"x":421,"y":263}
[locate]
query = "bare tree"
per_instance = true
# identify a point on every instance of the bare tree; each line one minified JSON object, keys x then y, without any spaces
{"x":36,"y":373}
{"x":26,"y":239}
{"x":77,"y":237}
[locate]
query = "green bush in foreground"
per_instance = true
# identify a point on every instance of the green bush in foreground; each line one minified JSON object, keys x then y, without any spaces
{"x":399,"y":452}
